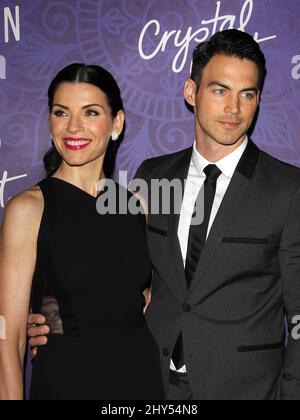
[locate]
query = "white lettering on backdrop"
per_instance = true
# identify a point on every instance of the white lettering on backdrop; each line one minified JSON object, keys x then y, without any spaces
{"x":5,"y":179}
{"x":182,"y":41}
{"x":12,"y":31}
{"x":2,"y":67}
{"x":11,"y":24}
{"x":296,"y":69}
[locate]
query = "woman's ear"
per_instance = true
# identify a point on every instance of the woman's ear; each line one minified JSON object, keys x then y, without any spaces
{"x":190,"y":92}
{"x":119,"y":121}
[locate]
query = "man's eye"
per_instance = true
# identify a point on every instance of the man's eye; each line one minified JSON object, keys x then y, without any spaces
{"x":219,"y":91}
{"x":248,"y":95}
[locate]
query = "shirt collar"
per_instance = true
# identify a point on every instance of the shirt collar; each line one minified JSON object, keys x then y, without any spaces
{"x":227,"y":165}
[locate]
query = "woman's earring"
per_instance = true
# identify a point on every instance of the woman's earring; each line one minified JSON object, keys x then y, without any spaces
{"x":115,"y":136}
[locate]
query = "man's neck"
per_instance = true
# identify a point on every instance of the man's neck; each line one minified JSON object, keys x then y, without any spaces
{"x":214,"y":152}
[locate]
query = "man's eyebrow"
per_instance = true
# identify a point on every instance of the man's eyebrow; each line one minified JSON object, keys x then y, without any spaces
{"x":252,"y":88}
{"x":218,"y":84}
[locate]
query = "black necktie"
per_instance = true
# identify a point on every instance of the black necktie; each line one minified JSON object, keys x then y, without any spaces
{"x":197,"y":239}
{"x":198,"y":233}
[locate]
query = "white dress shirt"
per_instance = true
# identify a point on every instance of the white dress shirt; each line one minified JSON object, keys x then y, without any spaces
{"x":195,"y":181}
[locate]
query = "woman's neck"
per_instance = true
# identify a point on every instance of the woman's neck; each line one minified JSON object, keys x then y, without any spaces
{"x":85,"y":177}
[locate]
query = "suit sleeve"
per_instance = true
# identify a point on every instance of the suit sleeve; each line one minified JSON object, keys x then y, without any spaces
{"x":290,"y":270}
{"x":141,"y":171}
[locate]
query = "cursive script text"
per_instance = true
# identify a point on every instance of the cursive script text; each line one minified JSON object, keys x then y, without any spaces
{"x":3,"y":182}
{"x":182,"y":40}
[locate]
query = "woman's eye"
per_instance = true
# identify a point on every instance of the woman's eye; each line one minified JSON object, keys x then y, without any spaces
{"x":92,"y":113}
{"x":59,"y":113}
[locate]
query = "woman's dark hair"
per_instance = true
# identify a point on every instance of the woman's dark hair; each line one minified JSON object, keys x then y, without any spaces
{"x":231,"y":42}
{"x":101,"y":78}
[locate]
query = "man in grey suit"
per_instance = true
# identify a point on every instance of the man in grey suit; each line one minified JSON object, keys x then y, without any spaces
{"x":221,"y":289}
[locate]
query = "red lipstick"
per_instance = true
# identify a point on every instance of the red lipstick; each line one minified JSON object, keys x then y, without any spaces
{"x":76,"y":144}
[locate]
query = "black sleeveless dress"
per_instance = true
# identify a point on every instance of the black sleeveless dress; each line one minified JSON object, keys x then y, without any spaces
{"x":96,"y":268}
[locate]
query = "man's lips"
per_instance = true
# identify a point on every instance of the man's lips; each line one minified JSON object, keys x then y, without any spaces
{"x":75,"y":143}
{"x":229,"y":124}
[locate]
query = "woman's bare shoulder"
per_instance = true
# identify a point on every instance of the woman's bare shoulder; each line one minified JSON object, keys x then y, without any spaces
{"x":31,"y":199}
{"x":25,"y":207}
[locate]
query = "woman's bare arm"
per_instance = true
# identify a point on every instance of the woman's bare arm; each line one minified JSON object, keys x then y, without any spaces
{"x":18,"y":239}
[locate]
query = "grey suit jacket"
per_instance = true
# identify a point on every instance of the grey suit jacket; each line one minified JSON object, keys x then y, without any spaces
{"x":248,"y":277}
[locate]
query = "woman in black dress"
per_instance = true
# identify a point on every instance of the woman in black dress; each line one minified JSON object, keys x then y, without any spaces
{"x":56,"y":247}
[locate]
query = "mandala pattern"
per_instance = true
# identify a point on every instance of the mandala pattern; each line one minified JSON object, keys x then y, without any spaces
{"x":55,"y":33}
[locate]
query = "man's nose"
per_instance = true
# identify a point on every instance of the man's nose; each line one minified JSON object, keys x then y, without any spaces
{"x":233,"y":105}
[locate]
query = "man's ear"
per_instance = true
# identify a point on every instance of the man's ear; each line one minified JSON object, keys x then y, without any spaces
{"x":190,"y":92}
{"x":258,"y":97}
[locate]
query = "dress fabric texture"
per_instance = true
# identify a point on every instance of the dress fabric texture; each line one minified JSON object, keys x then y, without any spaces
{"x":96,"y":268}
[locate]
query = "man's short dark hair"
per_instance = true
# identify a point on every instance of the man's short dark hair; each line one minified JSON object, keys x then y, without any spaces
{"x":231,"y":42}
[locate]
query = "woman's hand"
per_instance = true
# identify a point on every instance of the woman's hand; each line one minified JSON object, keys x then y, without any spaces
{"x":36,"y":332}
{"x":147,"y":294}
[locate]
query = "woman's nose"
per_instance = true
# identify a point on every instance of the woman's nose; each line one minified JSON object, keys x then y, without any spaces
{"x":75,"y":124}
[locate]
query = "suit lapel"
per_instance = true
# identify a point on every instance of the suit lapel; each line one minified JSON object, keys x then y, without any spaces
{"x":180,"y":173}
{"x":229,"y":206}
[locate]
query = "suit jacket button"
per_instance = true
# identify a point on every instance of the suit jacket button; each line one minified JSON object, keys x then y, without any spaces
{"x":186,"y":307}
{"x":165,"y":352}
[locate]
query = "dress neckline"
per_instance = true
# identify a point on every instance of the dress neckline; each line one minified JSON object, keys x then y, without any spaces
{"x":75,"y":187}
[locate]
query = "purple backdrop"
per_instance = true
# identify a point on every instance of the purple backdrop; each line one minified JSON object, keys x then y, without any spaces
{"x":147,"y":45}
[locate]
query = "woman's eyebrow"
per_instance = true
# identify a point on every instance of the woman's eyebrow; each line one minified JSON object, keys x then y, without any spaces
{"x":90,"y":105}
{"x":84,"y":107}
{"x":61,"y":106}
